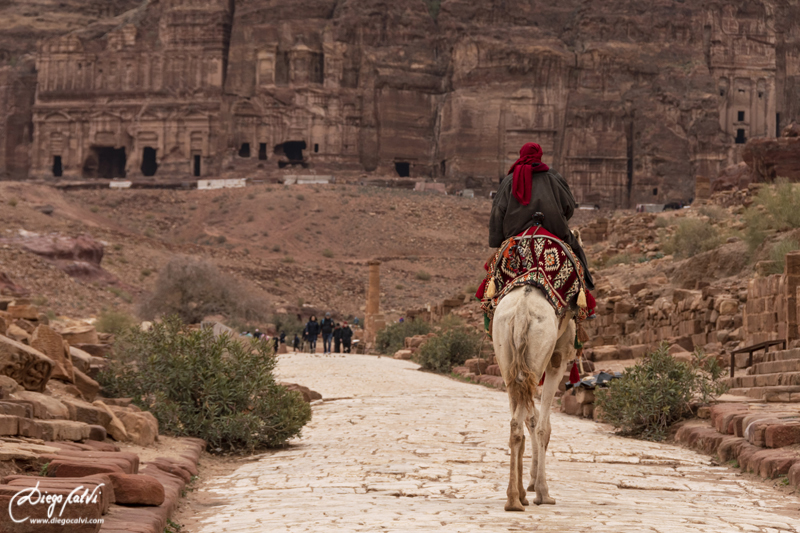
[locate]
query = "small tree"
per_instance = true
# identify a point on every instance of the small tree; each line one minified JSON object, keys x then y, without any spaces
{"x":220,"y":389}
{"x":451,"y":348}
{"x":194,"y":289}
{"x":390,"y":339}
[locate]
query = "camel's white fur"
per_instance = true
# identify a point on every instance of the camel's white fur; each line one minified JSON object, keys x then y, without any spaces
{"x":530,"y":340}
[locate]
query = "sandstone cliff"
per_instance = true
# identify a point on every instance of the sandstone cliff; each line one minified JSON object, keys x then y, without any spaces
{"x":630,"y":101}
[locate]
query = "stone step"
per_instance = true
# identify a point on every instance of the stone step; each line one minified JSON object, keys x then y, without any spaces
{"x":765,"y":380}
{"x":786,"y":365}
{"x":782,"y":355}
{"x":769,"y":394}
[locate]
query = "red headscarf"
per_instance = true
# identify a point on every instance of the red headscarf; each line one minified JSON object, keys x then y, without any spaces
{"x":530,"y":161}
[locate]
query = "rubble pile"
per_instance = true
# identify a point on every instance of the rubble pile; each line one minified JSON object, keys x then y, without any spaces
{"x":53,"y":421}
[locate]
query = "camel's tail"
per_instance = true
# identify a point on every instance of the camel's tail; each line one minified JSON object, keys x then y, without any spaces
{"x":523,"y":382}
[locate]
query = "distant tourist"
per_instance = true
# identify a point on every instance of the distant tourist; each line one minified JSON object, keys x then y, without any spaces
{"x":347,"y":337}
{"x":275,"y":342}
{"x":327,"y":333}
{"x":283,"y":337}
{"x":337,"y":338}
{"x":312,"y":332}
{"x":296,"y":343}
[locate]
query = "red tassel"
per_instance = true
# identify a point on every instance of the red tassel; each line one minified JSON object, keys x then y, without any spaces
{"x":574,"y":375}
{"x":541,"y":381}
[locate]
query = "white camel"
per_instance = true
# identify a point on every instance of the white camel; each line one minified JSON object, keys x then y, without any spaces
{"x":529,"y":340}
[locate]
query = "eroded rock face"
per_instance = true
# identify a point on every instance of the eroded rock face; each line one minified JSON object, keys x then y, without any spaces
{"x":630,"y":101}
{"x":27,"y":366}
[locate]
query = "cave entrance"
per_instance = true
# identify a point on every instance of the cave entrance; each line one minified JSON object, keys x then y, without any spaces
{"x":293,"y":150}
{"x":403,"y":168}
{"x":244,"y":151}
{"x":740,"y":138}
{"x":57,"y":168}
{"x":105,"y":162}
{"x":149,"y":164}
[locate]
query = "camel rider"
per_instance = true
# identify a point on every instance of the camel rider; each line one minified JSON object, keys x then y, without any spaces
{"x":532,"y":187}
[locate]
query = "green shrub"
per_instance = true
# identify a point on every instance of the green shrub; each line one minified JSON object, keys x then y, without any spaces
{"x":327,"y":252}
{"x":390,"y":339}
{"x":619,"y":259}
{"x":113,"y":321}
{"x":119,"y":293}
{"x":194,"y":289}
{"x":288,"y":323}
{"x":693,"y":236}
{"x":778,"y":252}
{"x":451,"y":348}
{"x":219,"y":389}
{"x":657,"y":391}
{"x":423,"y":276}
{"x":780,"y":203}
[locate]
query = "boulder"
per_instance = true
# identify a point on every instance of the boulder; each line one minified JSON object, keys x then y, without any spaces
{"x":137,"y":489}
{"x":97,"y":350}
{"x":88,"y":387}
{"x":141,"y":426}
{"x":25,"y":325}
{"x":308,"y":394}
{"x":727,"y":306}
{"x":404,"y":354}
{"x":477,"y":365}
{"x":115,"y":427}
{"x":8,"y":386}
{"x":46,"y":340}
{"x":17,"y":333}
{"x":27,"y":366}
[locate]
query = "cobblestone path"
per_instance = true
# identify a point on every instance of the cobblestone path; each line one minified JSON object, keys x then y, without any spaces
{"x":396,"y":449}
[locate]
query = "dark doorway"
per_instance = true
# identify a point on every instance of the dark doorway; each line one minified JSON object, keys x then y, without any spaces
{"x":403,"y":168}
{"x":777,"y":124}
{"x":149,"y":165}
{"x":740,"y":138}
{"x":262,"y":151}
{"x":655,"y":191}
{"x":244,"y":151}
{"x":105,"y":162}
{"x":294,"y":150}
{"x":197,"y":166}
{"x":316,"y":148}
{"x":740,"y":116}
{"x":57,"y":169}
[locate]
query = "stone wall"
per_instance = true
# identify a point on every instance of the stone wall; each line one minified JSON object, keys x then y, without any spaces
{"x":629,"y":104}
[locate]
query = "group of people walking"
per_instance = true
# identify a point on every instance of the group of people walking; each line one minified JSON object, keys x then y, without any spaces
{"x":333,"y":333}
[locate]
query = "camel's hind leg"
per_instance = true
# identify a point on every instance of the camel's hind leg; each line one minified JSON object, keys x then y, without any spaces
{"x":530,"y":422}
{"x":564,"y":350}
{"x":516,"y":487}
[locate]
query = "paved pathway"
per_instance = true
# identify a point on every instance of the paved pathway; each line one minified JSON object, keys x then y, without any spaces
{"x":405,"y":450}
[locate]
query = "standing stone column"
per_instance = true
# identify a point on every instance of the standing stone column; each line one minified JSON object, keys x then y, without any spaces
{"x":792,"y":276}
{"x":373,"y":321}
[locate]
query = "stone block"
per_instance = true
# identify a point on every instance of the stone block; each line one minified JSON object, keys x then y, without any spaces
{"x":570,"y":405}
{"x":780,"y":435}
{"x":476,"y":365}
{"x":79,"y":517}
{"x":84,"y":334}
{"x":87,"y":413}
{"x":404,"y":355}
{"x":604,"y":353}
{"x":73,"y":468}
{"x":46,"y":340}
{"x":168,"y":465}
{"x":137,"y":489}
{"x":727,"y":306}
{"x":53,"y":430}
{"x":44,"y":406}
{"x":27,"y":366}
{"x":9,"y":425}
{"x":10,"y":408}
{"x":102,"y":351}
{"x":23,"y":311}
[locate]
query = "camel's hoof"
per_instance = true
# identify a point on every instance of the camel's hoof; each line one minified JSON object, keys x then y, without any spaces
{"x":531,"y":488}
{"x":515,"y":506}
{"x":524,"y":501}
{"x":547,"y":500}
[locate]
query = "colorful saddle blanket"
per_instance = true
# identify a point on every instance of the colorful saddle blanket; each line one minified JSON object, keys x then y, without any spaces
{"x":539,"y":258}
